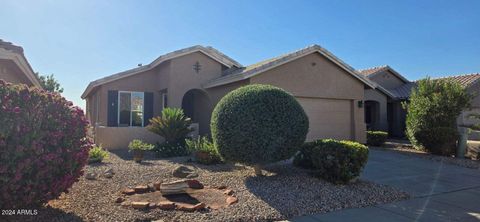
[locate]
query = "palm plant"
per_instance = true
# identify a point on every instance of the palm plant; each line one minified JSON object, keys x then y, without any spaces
{"x":173,"y":125}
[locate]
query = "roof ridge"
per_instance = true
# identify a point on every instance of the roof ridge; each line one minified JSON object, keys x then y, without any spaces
{"x":375,"y":67}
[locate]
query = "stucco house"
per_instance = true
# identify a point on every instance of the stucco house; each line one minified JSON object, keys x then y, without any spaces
{"x":383,"y":109}
{"x":196,"y":78}
{"x":14,"y":67}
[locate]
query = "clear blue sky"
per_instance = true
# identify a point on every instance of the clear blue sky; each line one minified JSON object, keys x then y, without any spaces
{"x":80,"y":41}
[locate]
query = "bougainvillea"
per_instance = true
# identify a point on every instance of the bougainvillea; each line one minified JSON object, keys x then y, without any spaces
{"x":43,"y":145}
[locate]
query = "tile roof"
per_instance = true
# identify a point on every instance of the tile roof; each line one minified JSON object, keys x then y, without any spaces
{"x":232,"y":75}
{"x":372,"y":70}
{"x":11,"y":47}
{"x":208,"y":50}
{"x":465,"y":80}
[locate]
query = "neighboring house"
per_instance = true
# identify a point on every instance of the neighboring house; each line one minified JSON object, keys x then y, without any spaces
{"x":383,"y":110}
{"x":196,"y":78}
{"x":14,"y":67}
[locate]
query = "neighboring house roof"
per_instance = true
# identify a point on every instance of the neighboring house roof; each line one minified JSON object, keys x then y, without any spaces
{"x":392,"y":93}
{"x":209,"y":51}
{"x":466,"y":80}
{"x":233,"y":75}
{"x":371,"y":72}
{"x":14,"y":53}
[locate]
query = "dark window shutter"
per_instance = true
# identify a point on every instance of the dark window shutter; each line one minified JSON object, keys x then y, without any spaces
{"x":148,"y":108}
{"x":112,"y":108}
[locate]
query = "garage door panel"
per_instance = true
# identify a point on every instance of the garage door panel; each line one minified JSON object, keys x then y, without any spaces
{"x":328,"y":118}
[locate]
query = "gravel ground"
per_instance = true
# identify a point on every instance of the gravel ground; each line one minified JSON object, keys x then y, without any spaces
{"x":407,"y":149}
{"x":283,"y":193}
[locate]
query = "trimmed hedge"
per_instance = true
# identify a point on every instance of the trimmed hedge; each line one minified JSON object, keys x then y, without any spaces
{"x":258,"y":124}
{"x":43,"y":145}
{"x":339,"y":162}
{"x":376,"y":138}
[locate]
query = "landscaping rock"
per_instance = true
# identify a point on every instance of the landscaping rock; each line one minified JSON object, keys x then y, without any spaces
{"x":109,"y":170}
{"x":119,"y":200}
{"x":184,"y":172}
{"x":194,"y":184}
{"x":141,"y":189}
{"x":156,"y":185}
{"x":166,"y":205}
{"x":200,"y":206}
{"x":228,"y":192}
{"x":108,"y":175}
{"x":186,"y":207}
{"x":140,"y":205}
{"x":91,"y":176}
{"x":128,"y":191}
{"x":231,"y":200}
{"x":125,"y":204}
{"x":179,"y":187}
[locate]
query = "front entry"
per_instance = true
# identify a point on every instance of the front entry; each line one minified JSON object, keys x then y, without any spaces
{"x":197,"y":106}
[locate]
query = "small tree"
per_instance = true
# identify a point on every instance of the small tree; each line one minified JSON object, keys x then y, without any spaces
{"x":434,"y":107}
{"x":49,"y":83}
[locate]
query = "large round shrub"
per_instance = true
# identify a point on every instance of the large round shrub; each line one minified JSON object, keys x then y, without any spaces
{"x":43,"y":145}
{"x":333,"y":160}
{"x":258,"y":124}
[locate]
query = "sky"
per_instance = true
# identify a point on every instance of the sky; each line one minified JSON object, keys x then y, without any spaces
{"x":81,"y":41}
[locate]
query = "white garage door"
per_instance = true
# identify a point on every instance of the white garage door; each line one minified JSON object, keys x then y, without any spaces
{"x":329,"y":118}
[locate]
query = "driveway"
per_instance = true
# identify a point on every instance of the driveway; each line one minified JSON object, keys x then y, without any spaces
{"x":440,"y":192}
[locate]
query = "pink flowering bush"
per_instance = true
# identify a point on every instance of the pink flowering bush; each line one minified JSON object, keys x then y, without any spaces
{"x":43,"y":145}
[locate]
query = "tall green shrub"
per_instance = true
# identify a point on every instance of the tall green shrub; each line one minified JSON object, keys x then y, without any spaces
{"x":434,"y":106}
{"x":258,"y":124}
{"x":43,"y":145}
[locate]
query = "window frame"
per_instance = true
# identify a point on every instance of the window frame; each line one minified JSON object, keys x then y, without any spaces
{"x":131,"y":97}
{"x":164,"y":100}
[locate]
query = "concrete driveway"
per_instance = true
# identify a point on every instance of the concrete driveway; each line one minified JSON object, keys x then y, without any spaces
{"x":440,"y":192}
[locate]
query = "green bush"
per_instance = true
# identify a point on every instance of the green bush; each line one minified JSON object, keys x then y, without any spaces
{"x":173,"y":125}
{"x":203,"y":150}
{"x":258,"y":124}
{"x":440,"y":140}
{"x":140,"y":145}
{"x":332,"y":160}
{"x":376,"y":138}
{"x":97,"y":154}
{"x":435,"y":105}
{"x":170,"y":150}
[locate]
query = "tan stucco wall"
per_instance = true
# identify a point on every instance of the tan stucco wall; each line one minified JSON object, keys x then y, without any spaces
{"x":11,"y":73}
{"x":375,"y":95}
{"x":315,"y":77}
{"x":387,"y":80}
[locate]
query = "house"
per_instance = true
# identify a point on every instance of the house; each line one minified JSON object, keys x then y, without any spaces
{"x":383,"y":109}
{"x":196,"y":78}
{"x":14,"y":67}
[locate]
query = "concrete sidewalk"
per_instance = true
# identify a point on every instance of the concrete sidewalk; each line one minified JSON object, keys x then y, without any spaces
{"x":440,"y":192}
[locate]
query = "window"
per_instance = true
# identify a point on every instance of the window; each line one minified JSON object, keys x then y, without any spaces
{"x":164,"y":100}
{"x":130,"y":109}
